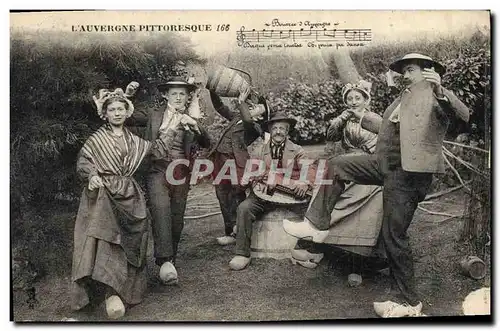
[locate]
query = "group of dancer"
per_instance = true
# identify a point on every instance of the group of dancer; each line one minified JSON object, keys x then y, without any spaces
{"x":365,"y":200}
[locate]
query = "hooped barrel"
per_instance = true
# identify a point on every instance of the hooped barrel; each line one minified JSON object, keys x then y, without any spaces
{"x":269,"y":239}
{"x":227,"y":82}
{"x":474,"y":267}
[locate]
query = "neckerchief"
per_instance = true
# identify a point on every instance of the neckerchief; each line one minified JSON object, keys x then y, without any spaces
{"x":277,"y":151}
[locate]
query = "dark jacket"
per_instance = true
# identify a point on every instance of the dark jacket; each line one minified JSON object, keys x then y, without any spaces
{"x":155,"y":119}
{"x":242,"y":131}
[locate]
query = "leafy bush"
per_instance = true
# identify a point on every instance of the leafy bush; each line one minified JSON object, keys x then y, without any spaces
{"x":309,"y":104}
{"x":470,"y":78}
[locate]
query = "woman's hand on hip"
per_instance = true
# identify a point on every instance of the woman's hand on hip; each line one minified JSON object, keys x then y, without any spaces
{"x":95,"y":182}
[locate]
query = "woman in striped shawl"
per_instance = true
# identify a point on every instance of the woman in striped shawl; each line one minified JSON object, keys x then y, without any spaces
{"x":111,"y":230}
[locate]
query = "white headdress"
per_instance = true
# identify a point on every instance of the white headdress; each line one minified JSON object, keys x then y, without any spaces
{"x":362,"y":86}
{"x":105,"y":94}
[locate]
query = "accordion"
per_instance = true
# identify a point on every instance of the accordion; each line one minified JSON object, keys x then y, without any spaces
{"x":281,"y":194}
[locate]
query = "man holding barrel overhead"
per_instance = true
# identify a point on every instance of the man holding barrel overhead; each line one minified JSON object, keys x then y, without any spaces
{"x":243,"y":129}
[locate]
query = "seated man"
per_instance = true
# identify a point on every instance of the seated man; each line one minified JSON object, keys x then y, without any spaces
{"x":278,"y":154}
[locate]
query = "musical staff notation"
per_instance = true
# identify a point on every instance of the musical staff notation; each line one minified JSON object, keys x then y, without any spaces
{"x":327,"y":35}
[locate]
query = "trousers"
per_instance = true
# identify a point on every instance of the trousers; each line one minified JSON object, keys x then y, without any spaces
{"x":248,"y":212}
{"x":167,"y":203}
{"x":230,"y":194}
{"x":402,"y":191}
{"x":230,"y":197}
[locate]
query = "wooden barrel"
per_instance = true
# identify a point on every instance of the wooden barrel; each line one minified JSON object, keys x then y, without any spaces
{"x":474,"y":267}
{"x":269,"y":239}
{"x":227,"y":82}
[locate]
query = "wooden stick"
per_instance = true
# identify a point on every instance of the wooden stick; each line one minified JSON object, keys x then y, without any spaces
{"x":461,"y":161}
{"x":466,"y":146}
{"x":456,"y":173}
{"x":436,"y":212}
{"x":460,"y":179}
{"x":465,"y":163}
{"x":438,"y":202}
{"x":446,"y":191}
{"x":201,"y":216}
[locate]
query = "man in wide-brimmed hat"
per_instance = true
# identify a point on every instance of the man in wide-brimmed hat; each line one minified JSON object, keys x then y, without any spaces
{"x":423,"y":61}
{"x":176,"y":82}
{"x":278,"y":153}
{"x":180,"y":132}
{"x":408,"y":152}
